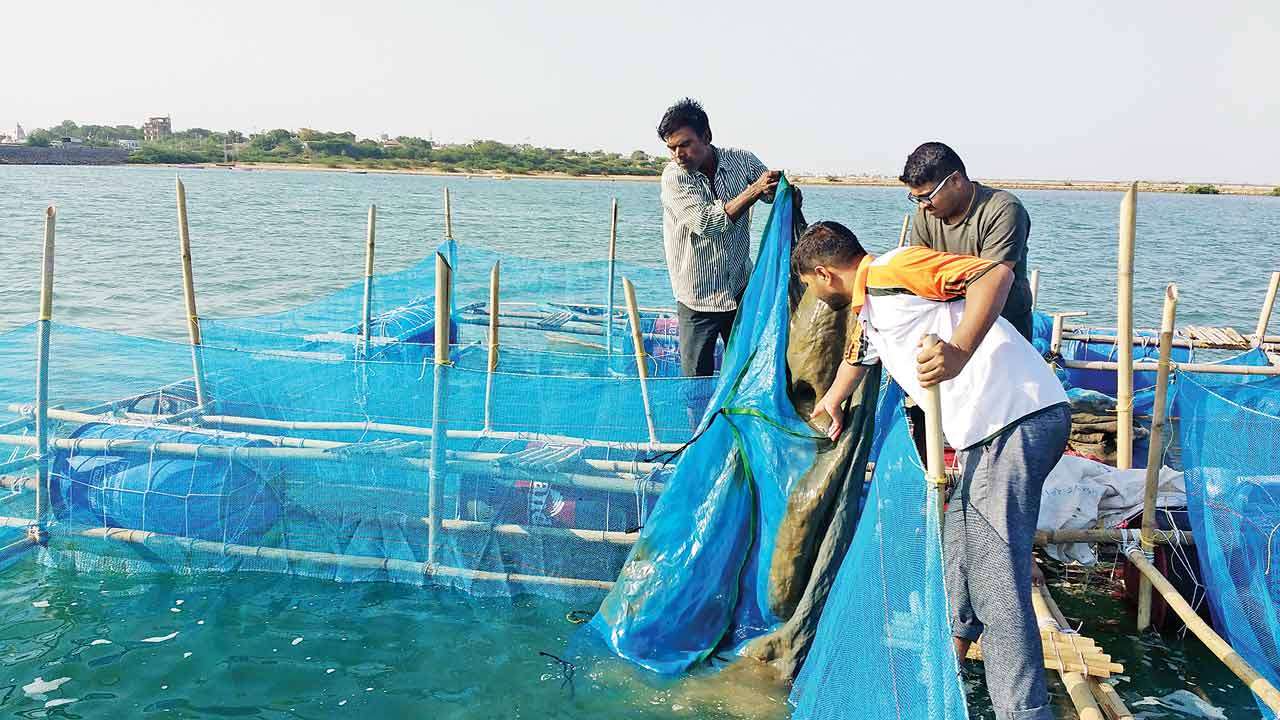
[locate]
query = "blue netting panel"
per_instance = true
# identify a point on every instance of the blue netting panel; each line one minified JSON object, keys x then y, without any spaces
{"x":322,"y":466}
{"x":1230,"y":433}
{"x":883,"y":648}
{"x":564,"y":300}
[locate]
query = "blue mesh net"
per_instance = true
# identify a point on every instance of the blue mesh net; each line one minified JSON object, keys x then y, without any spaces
{"x":1229,"y":426}
{"x":883,"y":648}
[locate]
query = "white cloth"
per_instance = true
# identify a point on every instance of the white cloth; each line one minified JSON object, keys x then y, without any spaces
{"x":1082,"y":494}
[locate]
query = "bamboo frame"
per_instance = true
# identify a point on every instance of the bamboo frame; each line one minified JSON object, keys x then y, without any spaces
{"x":1155,"y":450}
{"x":45,"y":319}
{"x":935,"y":470}
{"x":902,"y":235}
{"x":189,"y":295}
{"x":642,"y":366}
{"x":1124,"y":330}
{"x":1264,"y":315}
{"x":492,"y":365}
{"x":1212,"y":640}
{"x":366,"y":315}
{"x":613,"y":258}
{"x":1035,"y":288}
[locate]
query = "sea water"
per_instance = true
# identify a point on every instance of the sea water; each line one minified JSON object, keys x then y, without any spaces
{"x":246,"y":645}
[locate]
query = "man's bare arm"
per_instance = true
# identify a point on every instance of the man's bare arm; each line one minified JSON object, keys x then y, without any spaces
{"x":984,"y":299}
{"x":765,"y":185}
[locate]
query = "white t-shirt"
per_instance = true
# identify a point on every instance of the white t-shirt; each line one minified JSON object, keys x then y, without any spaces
{"x":911,"y":292}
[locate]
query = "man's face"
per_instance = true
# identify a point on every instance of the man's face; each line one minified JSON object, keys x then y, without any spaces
{"x":828,"y":286}
{"x":688,"y":149}
{"x":949,"y":200}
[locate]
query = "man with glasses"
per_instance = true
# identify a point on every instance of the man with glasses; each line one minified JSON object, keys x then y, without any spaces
{"x":959,"y":216}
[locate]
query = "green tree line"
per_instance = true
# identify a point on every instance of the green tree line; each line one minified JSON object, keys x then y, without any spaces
{"x":344,"y":149}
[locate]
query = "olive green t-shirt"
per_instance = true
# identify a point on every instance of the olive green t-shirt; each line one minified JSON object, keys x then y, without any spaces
{"x":996,"y":228}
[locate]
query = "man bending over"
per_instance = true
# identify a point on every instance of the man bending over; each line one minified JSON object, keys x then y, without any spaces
{"x":1002,"y":408}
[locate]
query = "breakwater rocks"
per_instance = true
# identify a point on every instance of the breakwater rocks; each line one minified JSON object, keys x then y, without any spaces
{"x":61,"y":155}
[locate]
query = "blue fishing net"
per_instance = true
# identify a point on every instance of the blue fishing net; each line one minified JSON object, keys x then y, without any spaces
{"x":883,"y":648}
{"x":1229,"y":427}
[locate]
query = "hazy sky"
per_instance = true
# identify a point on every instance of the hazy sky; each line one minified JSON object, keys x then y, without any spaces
{"x":1081,"y":89}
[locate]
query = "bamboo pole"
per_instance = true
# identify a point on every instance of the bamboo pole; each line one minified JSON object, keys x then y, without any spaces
{"x":1264,"y":315}
{"x":1206,"y":368}
{"x":1111,"y":340}
{"x":906,"y":224}
{"x":1118,"y":536}
{"x":143,"y":537}
{"x":1212,"y":640}
{"x":1124,"y":330}
{"x":1109,"y":700}
{"x":492,"y":365}
{"x":935,"y":467}
{"x":1059,"y":318}
{"x":36,"y":532}
{"x":448,"y":216}
{"x":618,"y":481}
{"x":439,"y":435}
{"x":1155,"y":452}
{"x":1106,"y":696}
{"x":642,"y":365}
{"x":367,"y":314}
{"x":613,"y":258}
{"x":607,"y":537}
{"x":189,"y":295}
{"x":1035,"y":288}
{"x":416,"y":431}
{"x":1075,"y":682}
{"x":470,"y":458}
{"x":573,"y":327}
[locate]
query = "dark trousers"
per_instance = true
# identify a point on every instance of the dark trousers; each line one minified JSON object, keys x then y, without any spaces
{"x":698,"y":333}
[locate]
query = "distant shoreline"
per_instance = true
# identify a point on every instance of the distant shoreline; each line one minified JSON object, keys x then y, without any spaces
{"x":827,"y":180}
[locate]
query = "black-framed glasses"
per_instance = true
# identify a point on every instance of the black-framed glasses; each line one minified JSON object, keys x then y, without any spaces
{"x":922,"y":199}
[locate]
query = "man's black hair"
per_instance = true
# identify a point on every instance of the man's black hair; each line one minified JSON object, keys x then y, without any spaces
{"x":931,"y":163}
{"x":825,"y":243}
{"x":685,"y":113}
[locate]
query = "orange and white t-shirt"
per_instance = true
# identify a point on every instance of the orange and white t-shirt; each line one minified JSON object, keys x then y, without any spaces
{"x":911,"y":292}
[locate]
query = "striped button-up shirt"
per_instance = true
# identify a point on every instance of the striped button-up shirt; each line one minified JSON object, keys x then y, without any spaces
{"x":708,"y":255}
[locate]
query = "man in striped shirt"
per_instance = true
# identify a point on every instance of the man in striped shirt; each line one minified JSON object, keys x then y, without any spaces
{"x":707,"y":194}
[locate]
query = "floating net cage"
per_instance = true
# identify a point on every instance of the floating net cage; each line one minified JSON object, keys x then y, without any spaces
{"x":314,"y":451}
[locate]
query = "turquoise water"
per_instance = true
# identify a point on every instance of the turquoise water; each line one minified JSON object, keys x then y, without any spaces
{"x":266,"y":241}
